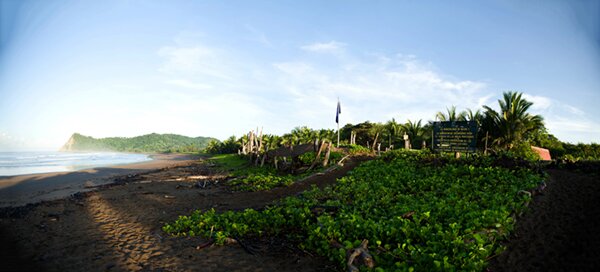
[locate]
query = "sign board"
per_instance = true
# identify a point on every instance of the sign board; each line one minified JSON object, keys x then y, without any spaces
{"x":455,"y":136}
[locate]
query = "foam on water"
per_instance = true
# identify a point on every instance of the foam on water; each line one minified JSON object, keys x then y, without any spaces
{"x":20,"y":163}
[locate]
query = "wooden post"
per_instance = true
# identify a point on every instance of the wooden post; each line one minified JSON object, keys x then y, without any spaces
{"x":256,"y":140}
{"x":250,"y":141}
{"x":379,"y":148}
{"x":376,"y":136}
{"x":260,"y":137}
{"x":262,"y":163}
{"x":326,"y":161}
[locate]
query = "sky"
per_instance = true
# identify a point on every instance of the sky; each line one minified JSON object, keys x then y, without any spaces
{"x":222,"y":68}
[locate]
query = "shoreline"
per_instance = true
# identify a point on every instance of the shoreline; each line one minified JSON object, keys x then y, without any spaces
{"x":20,"y":190}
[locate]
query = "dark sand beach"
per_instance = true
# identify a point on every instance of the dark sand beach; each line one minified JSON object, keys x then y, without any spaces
{"x":117,"y":227}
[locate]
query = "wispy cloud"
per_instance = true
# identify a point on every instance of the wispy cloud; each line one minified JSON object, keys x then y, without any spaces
{"x":539,"y":102}
{"x":259,"y":36}
{"x":188,"y":84}
{"x":193,"y":60}
{"x":376,"y":88}
{"x":303,"y":90}
{"x":331,"y":46}
{"x":565,"y":121}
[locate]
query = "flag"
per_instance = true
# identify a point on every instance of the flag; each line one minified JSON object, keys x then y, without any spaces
{"x":337,"y":113}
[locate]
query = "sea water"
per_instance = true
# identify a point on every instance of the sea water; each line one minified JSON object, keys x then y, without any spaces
{"x":20,"y":163}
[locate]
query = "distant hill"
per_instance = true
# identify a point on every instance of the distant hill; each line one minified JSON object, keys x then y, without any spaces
{"x":149,"y":143}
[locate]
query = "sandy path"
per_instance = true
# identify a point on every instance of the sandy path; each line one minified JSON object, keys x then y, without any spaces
{"x":561,"y":230}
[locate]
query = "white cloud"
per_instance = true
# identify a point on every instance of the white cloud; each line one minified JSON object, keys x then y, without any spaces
{"x":188,"y":84}
{"x":331,"y":46}
{"x":196,"y":60}
{"x":539,"y":102}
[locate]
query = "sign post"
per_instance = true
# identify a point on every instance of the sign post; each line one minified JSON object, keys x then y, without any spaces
{"x":455,"y":136}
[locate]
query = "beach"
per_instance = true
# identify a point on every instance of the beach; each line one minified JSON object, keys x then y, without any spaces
{"x":118,"y":226}
{"x":26,"y":189}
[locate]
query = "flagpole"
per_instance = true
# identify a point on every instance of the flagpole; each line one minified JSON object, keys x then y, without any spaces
{"x":338,"y":143}
{"x":337,"y":120}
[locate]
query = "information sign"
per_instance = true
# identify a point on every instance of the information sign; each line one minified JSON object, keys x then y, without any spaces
{"x":455,"y":136}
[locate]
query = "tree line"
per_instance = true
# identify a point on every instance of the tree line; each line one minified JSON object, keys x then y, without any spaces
{"x":150,"y":143}
{"x":511,"y":128}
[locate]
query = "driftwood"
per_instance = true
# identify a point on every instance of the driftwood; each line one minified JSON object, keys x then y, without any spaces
{"x":318,"y":155}
{"x":357,"y":256}
{"x":361,"y":256}
{"x":408,"y":215}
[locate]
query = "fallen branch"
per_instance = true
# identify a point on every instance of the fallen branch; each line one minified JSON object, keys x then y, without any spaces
{"x":207,"y":244}
{"x":341,"y":162}
{"x":361,"y":254}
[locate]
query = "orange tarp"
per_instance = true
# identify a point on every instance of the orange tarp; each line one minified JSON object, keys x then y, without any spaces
{"x":544,"y":153}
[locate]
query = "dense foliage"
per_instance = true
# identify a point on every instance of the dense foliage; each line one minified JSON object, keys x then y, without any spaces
{"x":580,"y":151}
{"x":229,"y":146}
{"x":417,"y":215}
{"x":146,"y":143}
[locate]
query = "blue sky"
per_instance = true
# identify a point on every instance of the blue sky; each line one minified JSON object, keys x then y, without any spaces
{"x":218,"y":68}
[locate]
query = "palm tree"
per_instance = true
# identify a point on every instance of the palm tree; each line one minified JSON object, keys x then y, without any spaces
{"x":512,"y":122}
{"x":392,"y":129}
{"x":473,"y":116}
{"x":452,"y":115}
{"x":414,"y":130}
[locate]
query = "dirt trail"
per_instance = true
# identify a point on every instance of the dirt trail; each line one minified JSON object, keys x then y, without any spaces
{"x":118,"y":228}
{"x":560,"y":231}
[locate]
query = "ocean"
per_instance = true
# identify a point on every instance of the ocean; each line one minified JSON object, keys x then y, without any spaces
{"x":21,"y":163}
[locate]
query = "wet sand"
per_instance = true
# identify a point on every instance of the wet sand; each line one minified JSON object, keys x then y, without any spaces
{"x":26,"y":189}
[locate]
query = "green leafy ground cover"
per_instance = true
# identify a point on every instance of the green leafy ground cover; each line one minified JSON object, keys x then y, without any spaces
{"x":417,"y":216}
